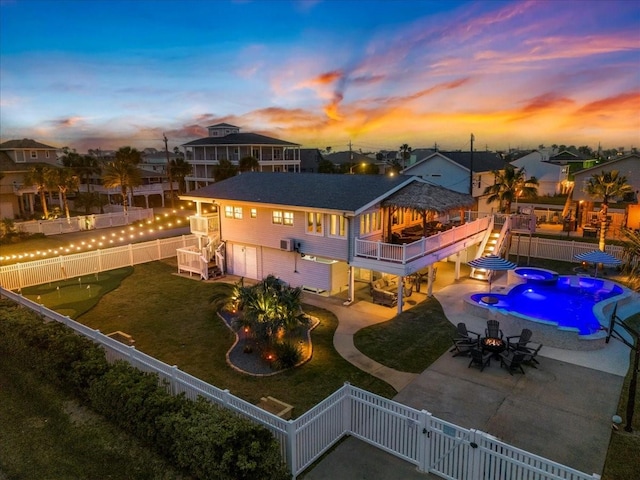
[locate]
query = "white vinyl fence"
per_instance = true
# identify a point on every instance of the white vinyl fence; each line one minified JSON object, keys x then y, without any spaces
{"x":432,"y":445}
{"x":21,"y":275}
{"x":561,"y":250}
{"x":85,"y":222}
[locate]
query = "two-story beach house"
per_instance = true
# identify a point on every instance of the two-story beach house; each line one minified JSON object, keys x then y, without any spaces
{"x":17,"y":157}
{"x":326,"y":232}
{"x":226,"y":142}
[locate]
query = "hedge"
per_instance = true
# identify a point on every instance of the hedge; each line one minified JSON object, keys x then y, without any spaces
{"x":199,"y":437}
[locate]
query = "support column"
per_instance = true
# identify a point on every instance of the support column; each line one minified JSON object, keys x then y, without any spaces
{"x":350,"y":286}
{"x":457,"y":269}
{"x":400,"y":293}
{"x":430,"y":276}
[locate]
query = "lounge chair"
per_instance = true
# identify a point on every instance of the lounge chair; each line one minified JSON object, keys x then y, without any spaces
{"x":512,"y":361}
{"x":521,"y":340}
{"x":493,"y":329}
{"x":462,"y":347}
{"x":530,"y":355}
{"x":479,"y":358}
{"x":463,"y":334}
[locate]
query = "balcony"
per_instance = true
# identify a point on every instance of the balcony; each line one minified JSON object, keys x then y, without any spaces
{"x":406,"y":258}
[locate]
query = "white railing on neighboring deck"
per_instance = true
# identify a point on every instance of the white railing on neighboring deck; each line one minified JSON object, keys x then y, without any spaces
{"x":416,"y":436}
{"x":403,"y":254}
{"x":85,"y":222}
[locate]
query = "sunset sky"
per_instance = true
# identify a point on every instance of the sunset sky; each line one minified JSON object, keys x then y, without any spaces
{"x":104,"y":74}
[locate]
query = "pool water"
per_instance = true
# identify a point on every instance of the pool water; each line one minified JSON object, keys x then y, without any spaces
{"x":568,"y":302}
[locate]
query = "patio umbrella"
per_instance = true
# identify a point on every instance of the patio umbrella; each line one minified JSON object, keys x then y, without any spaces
{"x":492,"y":262}
{"x":598,"y":256}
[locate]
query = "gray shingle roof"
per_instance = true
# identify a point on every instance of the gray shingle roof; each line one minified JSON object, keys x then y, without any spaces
{"x":482,"y":161}
{"x":24,"y":143}
{"x":240,"y":139}
{"x":309,"y":190}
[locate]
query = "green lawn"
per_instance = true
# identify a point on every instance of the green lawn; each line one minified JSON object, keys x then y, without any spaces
{"x":170,"y":318}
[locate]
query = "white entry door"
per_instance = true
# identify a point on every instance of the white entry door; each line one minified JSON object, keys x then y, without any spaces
{"x":245,"y":261}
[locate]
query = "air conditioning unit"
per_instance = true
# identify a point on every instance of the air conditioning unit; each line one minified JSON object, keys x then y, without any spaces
{"x":287,"y":244}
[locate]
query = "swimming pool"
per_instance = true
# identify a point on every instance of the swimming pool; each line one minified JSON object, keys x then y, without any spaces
{"x":568,"y":302}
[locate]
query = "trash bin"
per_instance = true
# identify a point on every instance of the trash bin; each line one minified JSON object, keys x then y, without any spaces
{"x":568,"y":225}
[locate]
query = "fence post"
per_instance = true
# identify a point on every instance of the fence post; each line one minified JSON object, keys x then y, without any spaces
{"x":131,"y":254}
{"x":174,"y":380}
{"x":475,"y":458}
{"x":346,"y":407}
{"x":225,"y":397}
{"x":424,"y":442}
{"x":159,"y":245}
{"x":132,"y":356}
{"x":292,"y":454}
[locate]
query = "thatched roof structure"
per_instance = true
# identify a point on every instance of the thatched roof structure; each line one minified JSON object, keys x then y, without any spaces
{"x":427,"y":197}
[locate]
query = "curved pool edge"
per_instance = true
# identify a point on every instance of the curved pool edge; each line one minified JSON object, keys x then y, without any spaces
{"x":550,"y":333}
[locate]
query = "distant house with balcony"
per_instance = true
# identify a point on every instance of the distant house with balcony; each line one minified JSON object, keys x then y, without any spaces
{"x":226,"y":142}
{"x":17,"y":157}
{"x":325,"y":233}
{"x":460,"y":171}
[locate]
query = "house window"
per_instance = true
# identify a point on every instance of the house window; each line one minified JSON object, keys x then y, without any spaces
{"x":277,"y":154}
{"x":34,"y":154}
{"x":370,"y":222}
{"x":254,"y":213}
{"x":314,"y":223}
{"x":288,"y":218}
{"x":233,"y":212}
{"x":46,"y":154}
{"x":276,"y":217}
{"x":337,"y":226}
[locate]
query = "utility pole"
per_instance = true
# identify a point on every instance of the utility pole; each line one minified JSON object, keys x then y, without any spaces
{"x":169,"y":172}
{"x":350,"y":158}
{"x":471,"y":167}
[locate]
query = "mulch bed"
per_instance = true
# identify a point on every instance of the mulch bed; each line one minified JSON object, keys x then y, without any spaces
{"x":246,"y":355}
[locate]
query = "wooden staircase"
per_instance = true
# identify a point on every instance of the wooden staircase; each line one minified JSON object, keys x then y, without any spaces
{"x":489,"y":248}
{"x":214,"y":271}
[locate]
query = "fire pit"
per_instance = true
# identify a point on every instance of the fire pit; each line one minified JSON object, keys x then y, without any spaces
{"x":493,"y":345}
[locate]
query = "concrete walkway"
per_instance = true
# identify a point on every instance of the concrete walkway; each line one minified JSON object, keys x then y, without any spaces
{"x":561,"y":411}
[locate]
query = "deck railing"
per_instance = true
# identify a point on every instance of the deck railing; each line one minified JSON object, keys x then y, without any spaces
{"x":407,"y":252}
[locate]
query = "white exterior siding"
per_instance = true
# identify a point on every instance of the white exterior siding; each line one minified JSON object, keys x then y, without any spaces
{"x":628,"y":167}
{"x":443,"y":172}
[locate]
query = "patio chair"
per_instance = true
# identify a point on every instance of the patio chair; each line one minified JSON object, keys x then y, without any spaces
{"x":493,"y":329}
{"x":462,"y":347}
{"x":463,"y":334}
{"x":512,"y":361}
{"x":522,"y":340}
{"x":479,"y":358}
{"x":530,"y":355}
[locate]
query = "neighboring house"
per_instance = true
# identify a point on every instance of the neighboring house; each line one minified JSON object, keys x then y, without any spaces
{"x":156,"y":160}
{"x":226,"y":142}
{"x":452,"y":170}
{"x":310,"y":159}
{"x":552,"y":178}
{"x":17,"y":157}
{"x":574,"y":161}
{"x":627,"y":166}
{"x":349,"y":159}
{"x":325,"y":232}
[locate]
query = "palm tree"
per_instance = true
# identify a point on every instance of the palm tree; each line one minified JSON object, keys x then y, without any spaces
{"x":249,"y":164}
{"x":180,"y":168}
{"x":405,"y":154}
{"x":631,"y":257}
{"x":510,"y":183}
{"x":607,"y":186}
{"x":64,"y":180}
{"x":84,"y":166}
{"x":224,"y":169}
{"x":123,"y":172}
{"x":36,"y":177}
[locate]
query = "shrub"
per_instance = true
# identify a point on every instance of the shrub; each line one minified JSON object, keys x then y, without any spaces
{"x":287,"y":353}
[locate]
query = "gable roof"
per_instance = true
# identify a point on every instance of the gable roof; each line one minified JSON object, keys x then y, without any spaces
{"x":609,"y":165}
{"x":25,"y":143}
{"x":240,"y":139}
{"x":222,"y":125}
{"x":347,"y":193}
{"x":340,"y":158}
{"x":482,"y":161}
